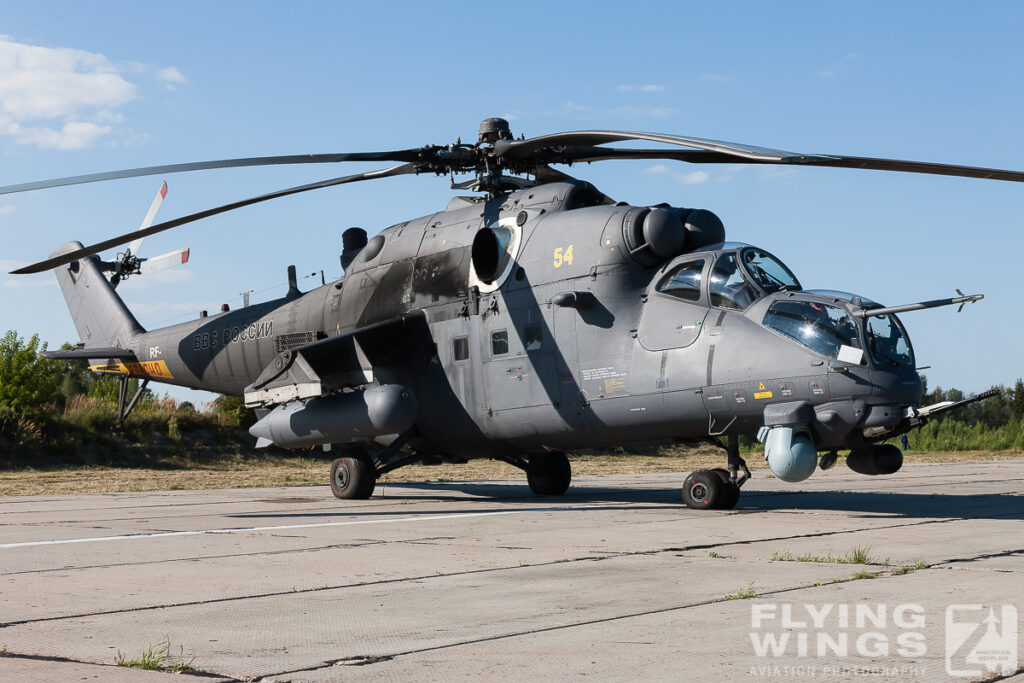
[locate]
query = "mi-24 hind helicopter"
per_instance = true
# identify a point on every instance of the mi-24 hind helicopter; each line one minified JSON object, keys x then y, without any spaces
{"x":533,"y":318}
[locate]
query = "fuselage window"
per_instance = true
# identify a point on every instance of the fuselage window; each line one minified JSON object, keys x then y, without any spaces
{"x":533,"y":337}
{"x":728,"y":287}
{"x":683,"y":282}
{"x":499,"y":342}
{"x":460,"y":348}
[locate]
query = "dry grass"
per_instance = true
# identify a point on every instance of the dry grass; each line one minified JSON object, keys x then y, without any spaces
{"x":274,"y":470}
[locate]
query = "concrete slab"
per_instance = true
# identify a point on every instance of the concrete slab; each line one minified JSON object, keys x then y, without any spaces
{"x":440,"y":581}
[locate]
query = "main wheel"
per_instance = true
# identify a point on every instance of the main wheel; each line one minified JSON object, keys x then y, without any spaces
{"x":549,"y":474}
{"x":703,"y":490}
{"x":731,"y":492}
{"x":353,"y":478}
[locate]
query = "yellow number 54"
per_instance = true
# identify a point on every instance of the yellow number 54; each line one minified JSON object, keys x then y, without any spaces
{"x":563,"y":256}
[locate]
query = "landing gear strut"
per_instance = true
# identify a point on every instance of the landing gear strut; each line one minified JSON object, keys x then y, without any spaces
{"x":717,"y":489}
{"x":355,"y":474}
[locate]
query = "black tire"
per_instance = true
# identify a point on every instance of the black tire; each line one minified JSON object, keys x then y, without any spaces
{"x":353,"y":478}
{"x":549,"y":474}
{"x":703,"y":490}
{"x":731,"y":492}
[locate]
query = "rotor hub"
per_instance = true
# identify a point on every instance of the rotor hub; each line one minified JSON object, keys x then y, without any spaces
{"x":494,"y":129}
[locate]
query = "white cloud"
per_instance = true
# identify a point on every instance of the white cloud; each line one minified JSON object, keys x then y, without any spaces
{"x":651,"y":87}
{"x":717,"y":78}
{"x":171,"y":77}
{"x":577,"y":108}
{"x":72,"y":135}
{"x":825,"y":73}
{"x":695,"y":178}
{"x":43,"y":82}
{"x":6,"y":209}
{"x":778,"y":172}
{"x":660,"y":168}
{"x":64,"y":98}
{"x":641,"y":112}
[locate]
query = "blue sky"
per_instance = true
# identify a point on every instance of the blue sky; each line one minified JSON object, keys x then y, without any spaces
{"x":98,"y":86}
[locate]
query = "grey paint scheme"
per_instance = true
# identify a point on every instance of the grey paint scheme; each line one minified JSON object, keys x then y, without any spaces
{"x":636,"y":366}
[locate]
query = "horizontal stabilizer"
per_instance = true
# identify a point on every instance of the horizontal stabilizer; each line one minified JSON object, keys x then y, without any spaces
{"x":93,"y":352}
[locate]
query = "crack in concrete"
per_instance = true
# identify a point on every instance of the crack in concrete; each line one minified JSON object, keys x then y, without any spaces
{"x":363,"y":584}
{"x":70,"y":660}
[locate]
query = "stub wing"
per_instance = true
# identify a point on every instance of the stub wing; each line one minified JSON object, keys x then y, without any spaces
{"x":345,"y":360}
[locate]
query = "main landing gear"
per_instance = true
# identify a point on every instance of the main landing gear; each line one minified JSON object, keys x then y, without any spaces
{"x":717,"y":489}
{"x":354,"y":475}
{"x":548,"y":474}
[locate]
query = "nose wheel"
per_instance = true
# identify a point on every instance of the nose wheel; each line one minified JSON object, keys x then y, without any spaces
{"x":717,"y":489}
{"x":710,"y":490}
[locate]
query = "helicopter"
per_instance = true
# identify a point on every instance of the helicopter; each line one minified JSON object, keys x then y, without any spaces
{"x":534,"y":317}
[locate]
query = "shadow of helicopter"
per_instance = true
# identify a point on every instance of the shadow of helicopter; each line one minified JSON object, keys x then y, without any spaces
{"x":863,"y":504}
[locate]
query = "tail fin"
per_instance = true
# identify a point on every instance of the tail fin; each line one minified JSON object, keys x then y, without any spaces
{"x":100,"y":315}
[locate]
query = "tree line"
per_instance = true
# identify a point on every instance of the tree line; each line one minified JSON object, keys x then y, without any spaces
{"x":47,"y":403}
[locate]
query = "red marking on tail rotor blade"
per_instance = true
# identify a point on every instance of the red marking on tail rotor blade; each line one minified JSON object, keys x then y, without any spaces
{"x":184,"y":256}
{"x":163,"y":190}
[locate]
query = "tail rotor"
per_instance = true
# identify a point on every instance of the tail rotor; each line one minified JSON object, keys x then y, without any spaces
{"x":129,"y":262}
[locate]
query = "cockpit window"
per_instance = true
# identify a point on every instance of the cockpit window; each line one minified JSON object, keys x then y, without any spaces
{"x":768,"y":271}
{"x":728,"y":287}
{"x":887,"y":342}
{"x":828,"y":330}
{"x":684,"y":281}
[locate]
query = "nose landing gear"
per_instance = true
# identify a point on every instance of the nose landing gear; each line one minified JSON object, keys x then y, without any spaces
{"x":717,"y":489}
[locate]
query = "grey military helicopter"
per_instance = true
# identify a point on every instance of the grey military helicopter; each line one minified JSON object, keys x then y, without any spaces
{"x":532,"y":318}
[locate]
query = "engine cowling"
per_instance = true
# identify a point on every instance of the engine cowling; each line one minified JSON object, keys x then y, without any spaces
{"x":655,"y":235}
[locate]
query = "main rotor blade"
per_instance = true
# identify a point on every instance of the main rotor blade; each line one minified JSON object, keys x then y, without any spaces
{"x":581,"y":146}
{"x":516,"y":149}
{"x":405,"y":155}
{"x":911,"y":167}
{"x":589,"y":154}
{"x":160,"y":227}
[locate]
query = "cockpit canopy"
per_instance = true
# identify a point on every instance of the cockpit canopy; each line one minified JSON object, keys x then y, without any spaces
{"x":738,"y":277}
{"x":735,"y":276}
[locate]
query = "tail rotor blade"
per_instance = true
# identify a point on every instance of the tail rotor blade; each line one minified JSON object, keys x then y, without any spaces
{"x":134,"y":247}
{"x":170,"y":259}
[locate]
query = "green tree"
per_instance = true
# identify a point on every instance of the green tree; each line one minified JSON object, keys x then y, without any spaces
{"x":28,"y":382}
{"x":1017,"y":406}
{"x":231,"y":411}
